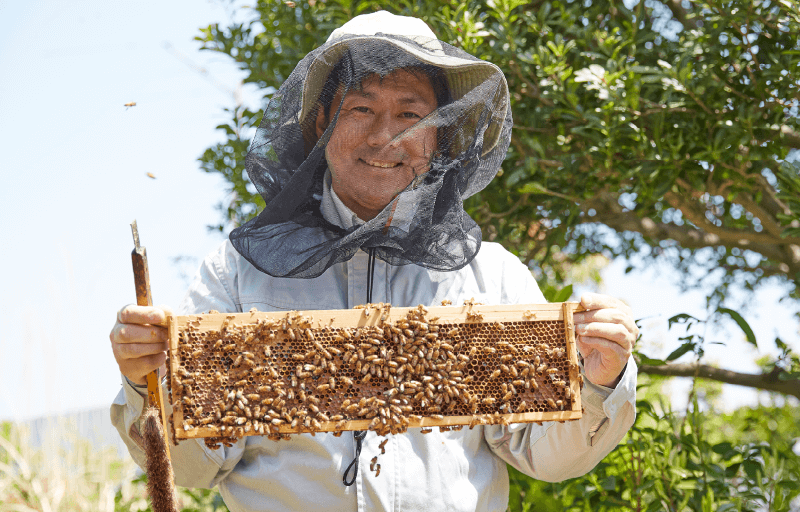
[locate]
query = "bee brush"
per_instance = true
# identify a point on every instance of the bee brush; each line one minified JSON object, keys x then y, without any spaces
{"x":160,"y":479}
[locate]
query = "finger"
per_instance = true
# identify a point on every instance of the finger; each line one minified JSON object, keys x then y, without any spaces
{"x":137,"y":350}
{"x":167,"y":312}
{"x":584,"y":349}
{"x":612,"y":353}
{"x":611,"y":315}
{"x":592,"y":301}
{"x":137,"y":369}
{"x":616,"y":316}
{"x":133,"y":314}
{"x":133,"y":333}
{"x":616,"y":333}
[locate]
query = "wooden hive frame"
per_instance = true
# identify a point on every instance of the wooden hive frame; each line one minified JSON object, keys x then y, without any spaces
{"x":378,"y":367}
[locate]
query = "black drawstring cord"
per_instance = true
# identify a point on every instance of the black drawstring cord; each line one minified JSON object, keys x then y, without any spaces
{"x":370,"y":271}
{"x":359,"y":435}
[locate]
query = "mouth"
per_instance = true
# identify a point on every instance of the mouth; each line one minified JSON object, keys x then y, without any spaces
{"x":380,"y":164}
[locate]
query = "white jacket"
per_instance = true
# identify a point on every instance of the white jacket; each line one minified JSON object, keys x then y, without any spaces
{"x":459,"y":470}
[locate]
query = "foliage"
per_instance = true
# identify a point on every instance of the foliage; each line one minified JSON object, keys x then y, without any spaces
{"x":697,"y":460}
{"x":658,"y":131}
{"x":653,"y":131}
{"x":67,"y":473}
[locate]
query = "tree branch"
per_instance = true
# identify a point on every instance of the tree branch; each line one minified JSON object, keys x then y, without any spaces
{"x":681,"y":15}
{"x":765,"y":381}
{"x":610,"y":213}
{"x":739,"y":238}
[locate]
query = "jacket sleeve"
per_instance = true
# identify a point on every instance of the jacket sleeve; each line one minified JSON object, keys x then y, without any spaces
{"x":194,"y":464}
{"x":557,"y":451}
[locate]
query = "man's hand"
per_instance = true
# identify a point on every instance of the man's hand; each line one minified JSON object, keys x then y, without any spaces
{"x":139,"y":340}
{"x":606,"y":334}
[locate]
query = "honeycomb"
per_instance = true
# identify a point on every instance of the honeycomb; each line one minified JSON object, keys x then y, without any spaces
{"x":378,"y":368}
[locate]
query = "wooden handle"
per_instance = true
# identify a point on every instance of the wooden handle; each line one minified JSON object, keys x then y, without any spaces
{"x":141,"y":277}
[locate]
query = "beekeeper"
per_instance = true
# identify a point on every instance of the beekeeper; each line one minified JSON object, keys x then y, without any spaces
{"x":363,"y":158}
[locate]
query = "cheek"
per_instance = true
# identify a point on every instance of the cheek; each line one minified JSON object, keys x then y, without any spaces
{"x":423,"y":142}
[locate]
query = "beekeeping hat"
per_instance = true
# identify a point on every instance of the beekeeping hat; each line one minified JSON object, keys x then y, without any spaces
{"x":414,"y":37}
{"x":425,"y":224}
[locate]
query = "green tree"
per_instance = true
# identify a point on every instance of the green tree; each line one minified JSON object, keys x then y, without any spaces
{"x":660,"y":133}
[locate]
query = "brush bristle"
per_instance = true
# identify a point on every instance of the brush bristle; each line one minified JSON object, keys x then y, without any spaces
{"x":160,"y":480}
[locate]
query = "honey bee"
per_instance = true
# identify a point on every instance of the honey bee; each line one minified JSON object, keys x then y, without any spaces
{"x":488,"y":401}
{"x":129,"y":105}
{"x":522,"y":406}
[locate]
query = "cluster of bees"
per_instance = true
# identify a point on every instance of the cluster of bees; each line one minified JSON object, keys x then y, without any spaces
{"x":275,"y":377}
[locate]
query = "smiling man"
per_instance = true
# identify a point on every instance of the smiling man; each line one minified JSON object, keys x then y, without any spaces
{"x":369,"y":166}
{"x":364,"y":157}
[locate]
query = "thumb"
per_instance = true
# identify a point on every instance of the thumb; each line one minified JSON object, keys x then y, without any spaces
{"x":167,"y":313}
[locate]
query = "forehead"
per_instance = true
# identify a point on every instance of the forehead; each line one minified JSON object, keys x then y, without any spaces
{"x":405,"y":86}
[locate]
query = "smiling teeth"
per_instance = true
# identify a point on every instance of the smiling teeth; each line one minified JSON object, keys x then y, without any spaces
{"x":380,"y":164}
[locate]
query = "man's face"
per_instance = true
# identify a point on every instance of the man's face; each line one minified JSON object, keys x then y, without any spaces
{"x":369,"y":167}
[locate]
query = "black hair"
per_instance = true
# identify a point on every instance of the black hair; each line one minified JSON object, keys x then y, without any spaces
{"x":345,"y":72}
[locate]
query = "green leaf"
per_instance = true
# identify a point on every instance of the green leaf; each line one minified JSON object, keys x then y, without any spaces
{"x":681,"y":318}
{"x":752,"y":469}
{"x":751,"y":336}
{"x":563,"y":294}
{"x":649,"y":360}
{"x":686,"y":347}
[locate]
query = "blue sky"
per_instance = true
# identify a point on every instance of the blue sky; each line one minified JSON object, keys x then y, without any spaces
{"x":74,"y":164}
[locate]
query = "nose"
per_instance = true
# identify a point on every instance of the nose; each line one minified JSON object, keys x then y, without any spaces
{"x":381,"y":131}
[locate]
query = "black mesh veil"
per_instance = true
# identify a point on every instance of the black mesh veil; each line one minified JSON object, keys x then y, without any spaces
{"x":425,"y":223}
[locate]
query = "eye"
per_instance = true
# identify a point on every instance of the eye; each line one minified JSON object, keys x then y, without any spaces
{"x":410,"y":115}
{"x":361,"y":109}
